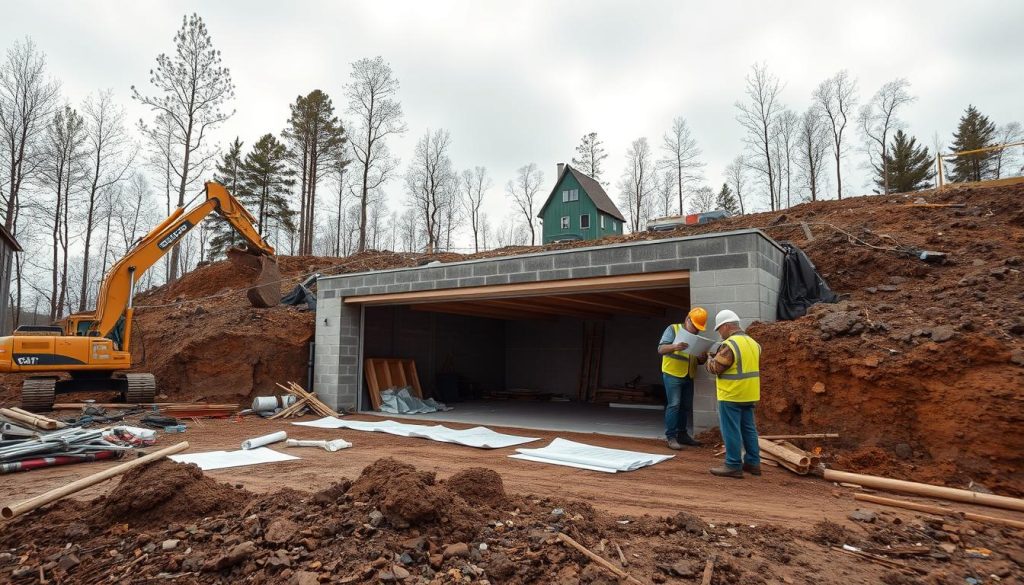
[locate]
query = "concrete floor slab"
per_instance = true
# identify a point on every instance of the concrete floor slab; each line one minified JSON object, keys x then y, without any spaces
{"x":552,"y":416}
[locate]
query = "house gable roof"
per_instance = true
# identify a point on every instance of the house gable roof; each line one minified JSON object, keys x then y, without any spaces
{"x":592,"y":188}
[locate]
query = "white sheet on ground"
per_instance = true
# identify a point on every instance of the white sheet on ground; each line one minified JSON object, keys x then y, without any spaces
{"x":479,"y":437}
{"x":223,"y":459}
{"x":583,"y":456}
{"x":401,"y":401}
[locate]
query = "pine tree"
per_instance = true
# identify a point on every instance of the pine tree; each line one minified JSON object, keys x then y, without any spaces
{"x":228,"y":173}
{"x":973,"y":132}
{"x":269,"y":180}
{"x":726,"y":200}
{"x":910,"y":166}
{"x":591,"y":153}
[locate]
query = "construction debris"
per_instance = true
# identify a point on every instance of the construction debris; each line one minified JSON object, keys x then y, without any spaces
{"x":304,"y":400}
{"x":199,"y":410}
{"x":921,"y":489}
{"x":984,"y":519}
{"x":264,"y":440}
{"x":330,"y":446}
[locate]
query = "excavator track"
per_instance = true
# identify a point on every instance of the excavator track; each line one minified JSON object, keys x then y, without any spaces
{"x":140,"y":388}
{"x":37,"y":394}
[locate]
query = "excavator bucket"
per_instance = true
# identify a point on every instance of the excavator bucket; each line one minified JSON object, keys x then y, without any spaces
{"x":265,"y":289}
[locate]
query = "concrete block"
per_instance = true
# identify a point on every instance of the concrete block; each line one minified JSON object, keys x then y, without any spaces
{"x":672,"y":264}
{"x":510,"y":266}
{"x":723,"y":261}
{"x":386,"y":278}
{"x":748,"y":311}
{"x":557,"y":274}
{"x":430,"y":274}
{"x":734,"y":276}
{"x":742,"y":243}
{"x":485,"y":269}
{"x":538,"y":263}
{"x":325,"y":294}
{"x":702,"y":279}
{"x":617,"y":255}
{"x":421,"y":285}
{"x":496,"y":279}
{"x":471,"y":281}
{"x":629,"y":268}
{"x":571,"y":260}
{"x":704,"y":295}
{"x":445,"y":283}
{"x":369,"y":280}
{"x":406,"y":276}
{"x":746,"y":292}
{"x":589,"y":271}
{"x":398,"y":287}
{"x":522,"y":277}
{"x":378,"y":290}
{"x":700,"y":247}
{"x":647,"y":252}
{"x":717,"y":294}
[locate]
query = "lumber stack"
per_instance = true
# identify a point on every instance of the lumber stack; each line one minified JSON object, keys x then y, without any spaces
{"x":304,"y":399}
{"x":199,"y":410}
{"x":788,"y":455}
{"x":30,"y":419}
{"x":638,"y":395}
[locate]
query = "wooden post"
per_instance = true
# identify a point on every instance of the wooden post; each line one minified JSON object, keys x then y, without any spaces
{"x":923,"y":489}
{"x":76,"y":486}
{"x":780,"y":452}
{"x":937,"y":510}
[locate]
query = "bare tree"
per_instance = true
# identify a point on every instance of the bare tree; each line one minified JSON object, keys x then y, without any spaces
{"x":785,"y":143}
{"x":475,"y":184}
{"x":1008,"y":133}
{"x":485,"y":232}
{"x":837,"y":97}
{"x":812,"y":144}
{"x":110,"y":155}
{"x":878,"y":117}
{"x":666,"y":193}
{"x":681,"y":157}
{"x":736,"y":177}
{"x":371,"y":94}
{"x":703,"y":200}
{"x":639,"y":182}
{"x":523,"y":190}
{"x":63,"y":172}
{"x":27,"y":98}
{"x":191,"y":89}
{"x":429,"y":180}
{"x":759,"y":117}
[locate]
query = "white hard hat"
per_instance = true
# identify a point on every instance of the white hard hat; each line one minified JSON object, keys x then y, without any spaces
{"x":725,"y":316}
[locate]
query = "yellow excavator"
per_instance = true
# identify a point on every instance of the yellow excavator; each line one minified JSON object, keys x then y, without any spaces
{"x":94,"y":349}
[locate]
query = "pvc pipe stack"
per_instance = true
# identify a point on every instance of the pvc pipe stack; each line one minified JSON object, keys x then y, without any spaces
{"x":264,"y":440}
{"x":272,"y":403}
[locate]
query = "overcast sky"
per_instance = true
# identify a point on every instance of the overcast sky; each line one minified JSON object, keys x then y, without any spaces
{"x":521,"y":81}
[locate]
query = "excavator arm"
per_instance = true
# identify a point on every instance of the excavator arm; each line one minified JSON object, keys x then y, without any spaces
{"x":115,"y":296}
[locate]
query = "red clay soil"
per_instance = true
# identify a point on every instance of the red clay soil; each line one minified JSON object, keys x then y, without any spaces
{"x":353,"y":532}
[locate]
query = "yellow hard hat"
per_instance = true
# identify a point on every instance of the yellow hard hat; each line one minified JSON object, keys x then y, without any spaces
{"x":699,"y":317}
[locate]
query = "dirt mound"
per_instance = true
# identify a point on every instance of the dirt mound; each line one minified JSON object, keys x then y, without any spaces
{"x":165,"y":491}
{"x":408,"y":497}
{"x":479,"y":486}
{"x":338,"y":535}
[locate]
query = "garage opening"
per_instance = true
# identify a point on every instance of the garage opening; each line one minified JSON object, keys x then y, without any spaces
{"x":570,"y":355}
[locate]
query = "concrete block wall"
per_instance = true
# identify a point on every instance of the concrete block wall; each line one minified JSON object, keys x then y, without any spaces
{"x":739,"y":270}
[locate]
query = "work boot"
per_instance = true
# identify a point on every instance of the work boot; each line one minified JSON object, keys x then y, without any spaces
{"x":674,"y":445}
{"x":726,"y":471}
{"x":752,"y":469}
{"x":688,"y":440}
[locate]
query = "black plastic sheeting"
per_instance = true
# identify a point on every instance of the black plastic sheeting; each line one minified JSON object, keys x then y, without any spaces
{"x":300,"y":295}
{"x":802,"y":286}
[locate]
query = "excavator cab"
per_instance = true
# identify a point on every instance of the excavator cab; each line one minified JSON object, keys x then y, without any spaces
{"x":93,"y":349}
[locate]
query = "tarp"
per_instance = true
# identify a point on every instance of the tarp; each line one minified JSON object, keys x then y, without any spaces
{"x":801,"y":285}
{"x":479,"y":437}
{"x":223,"y":459}
{"x":401,"y":401}
{"x":583,"y":456}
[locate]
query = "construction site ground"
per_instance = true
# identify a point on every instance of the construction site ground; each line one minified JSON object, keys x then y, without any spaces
{"x":668,"y":519}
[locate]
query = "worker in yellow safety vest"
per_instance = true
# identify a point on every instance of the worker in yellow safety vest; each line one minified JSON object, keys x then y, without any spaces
{"x":736,"y":367}
{"x":677,"y":370}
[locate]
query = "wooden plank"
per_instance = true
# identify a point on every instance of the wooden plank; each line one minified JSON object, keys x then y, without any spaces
{"x":537,"y":305}
{"x":673,"y":279}
{"x":414,"y":378}
{"x":470,"y":310}
{"x":667,"y":301}
{"x":603,"y":302}
{"x":372,"y":385}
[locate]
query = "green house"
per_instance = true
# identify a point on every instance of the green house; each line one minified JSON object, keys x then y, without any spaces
{"x":578,"y":209}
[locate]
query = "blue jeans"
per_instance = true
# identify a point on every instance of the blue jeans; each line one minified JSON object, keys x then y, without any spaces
{"x":679,"y":405}
{"x":739,"y":433}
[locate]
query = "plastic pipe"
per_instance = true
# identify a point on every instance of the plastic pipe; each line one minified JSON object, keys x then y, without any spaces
{"x":75,"y":486}
{"x":332,"y":446}
{"x":938,"y":511}
{"x":264,"y":440}
{"x":923,"y":489}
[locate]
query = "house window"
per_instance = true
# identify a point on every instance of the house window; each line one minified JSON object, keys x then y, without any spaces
{"x":565,"y":196}
{"x":565,"y":222}
{"x":585,"y":221}
{"x":602,"y":222}
{"x":570,"y":195}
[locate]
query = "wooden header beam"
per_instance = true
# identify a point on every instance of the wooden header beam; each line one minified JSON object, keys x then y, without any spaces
{"x":625,"y":282}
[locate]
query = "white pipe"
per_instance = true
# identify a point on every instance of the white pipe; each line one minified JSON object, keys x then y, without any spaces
{"x":265,"y":440}
{"x":332,"y":446}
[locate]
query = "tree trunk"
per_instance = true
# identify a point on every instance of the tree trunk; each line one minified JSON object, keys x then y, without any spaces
{"x":173,"y":276}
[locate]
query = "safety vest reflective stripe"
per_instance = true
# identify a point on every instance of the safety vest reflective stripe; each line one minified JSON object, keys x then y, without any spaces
{"x":740,"y":382}
{"x":738,"y":357}
{"x":676,"y":356}
{"x":678,"y":363}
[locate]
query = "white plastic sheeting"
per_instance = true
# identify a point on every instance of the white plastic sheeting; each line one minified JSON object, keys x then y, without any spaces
{"x":583,"y":456}
{"x":401,"y":401}
{"x":479,"y":437}
{"x":223,"y":459}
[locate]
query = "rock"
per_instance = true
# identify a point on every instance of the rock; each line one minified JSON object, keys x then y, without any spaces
{"x":732,"y":532}
{"x":1017,"y":357}
{"x":236,"y":555}
{"x":67,"y":562}
{"x":400,"y":573}
{"x":436,"y":561}
{"x":862,"y":515}
{"x":943,"y":333}
{"x":682,"y":569}
{"x":500,"y":566}
{"x":76,"y":530}
{"x":818,"y":388}
{"x":947,"y":547}
{"x":376,"y":518}
{"x":1016,"y":556}
{"x":305,"y":578}
{"x":170,"y":544}
{"x":459,"y":550}
{"x":888,"y":288}
{"x":841,"y":323}
{"x":903,"y":451}
{"x":281,"y":531}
